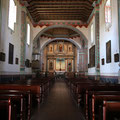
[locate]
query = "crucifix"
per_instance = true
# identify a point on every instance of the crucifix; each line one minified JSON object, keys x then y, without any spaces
{"x":60,"y":63}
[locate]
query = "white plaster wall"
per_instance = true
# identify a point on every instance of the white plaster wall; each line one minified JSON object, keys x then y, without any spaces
{"x":7,"y":36}
{"x":91,"y":71}
{"x":109,"y":68}
{"x":84,"y":30}
{"x":28,"y":52}
{"x":37,"y":29}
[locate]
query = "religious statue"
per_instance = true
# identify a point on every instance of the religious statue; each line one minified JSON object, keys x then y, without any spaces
{"x":51,"y":65}
{"x":60,"y":48}
{"x":51,"y":49}
{"x":70,"y":49}
{"x":69,"y":67}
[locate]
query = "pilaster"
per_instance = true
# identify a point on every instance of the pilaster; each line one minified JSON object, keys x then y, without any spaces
{"x":97,"y":45}
{"x":119,"y":38}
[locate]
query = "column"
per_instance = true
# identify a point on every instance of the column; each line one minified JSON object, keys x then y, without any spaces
{"x":119,"y":38}
{"x":97,"y":45}
{"x":23,"y":41}
{"x":78,"y":57}
{"x":40,"y":59}
{"x":46,"y":66}
{"x":0,"y":21}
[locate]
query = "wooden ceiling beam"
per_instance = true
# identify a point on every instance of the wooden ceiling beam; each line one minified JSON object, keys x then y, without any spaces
{"x":63,"y":1}
{"x":52,"y":11}
{"x":64,"y":15}
{"x":59,"y":6}
{"x":56,"y":4}
{"x":59,"y":10}
{"x":39,"y":9}
{"x":59,"y":13}
{"x":82,"y":18}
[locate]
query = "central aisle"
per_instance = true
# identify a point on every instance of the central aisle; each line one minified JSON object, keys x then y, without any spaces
{"x":59,"y":105}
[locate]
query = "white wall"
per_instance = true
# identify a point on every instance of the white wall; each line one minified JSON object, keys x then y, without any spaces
{"x":15,"y":38}
{"x":91,"y":71}
{"x":12,"y":37}
{"x":109,"y":68}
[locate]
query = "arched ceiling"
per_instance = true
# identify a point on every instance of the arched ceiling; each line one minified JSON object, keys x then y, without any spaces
{"x":60,"y":32}
{"x":59,"y":9}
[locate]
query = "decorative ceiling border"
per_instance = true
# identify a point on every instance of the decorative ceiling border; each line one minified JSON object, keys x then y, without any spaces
{"x":74,"y":24}
{"x":96,"y":5}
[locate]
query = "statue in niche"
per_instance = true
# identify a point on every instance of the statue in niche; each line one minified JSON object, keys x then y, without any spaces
{"x":51,"y":65}
{"x":60,"y":48}
{"x":70,"y":49}
{"x":69,"y":66}
{"x":51,"y":49}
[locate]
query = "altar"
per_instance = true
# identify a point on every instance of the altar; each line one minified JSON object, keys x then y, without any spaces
{"x":60,"y":74}
{"x":60,"y":57}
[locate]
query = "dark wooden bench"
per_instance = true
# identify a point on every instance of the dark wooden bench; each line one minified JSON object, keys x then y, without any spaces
{"x":99,"y":100}
{"x":82,"y":89}
{"x":35,"y":91}
{"x":89,"y":95}
{"x":5,"y":109}
{"x":15,"y":98}
{"x":26,"y":95}
{"x":111,"y":110}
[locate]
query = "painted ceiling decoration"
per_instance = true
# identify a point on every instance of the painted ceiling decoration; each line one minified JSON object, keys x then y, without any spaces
{"x":77,"y":11}
{"x":60,"y":32}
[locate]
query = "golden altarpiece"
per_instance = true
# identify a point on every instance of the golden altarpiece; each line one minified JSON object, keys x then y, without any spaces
{"x":59,"y":56}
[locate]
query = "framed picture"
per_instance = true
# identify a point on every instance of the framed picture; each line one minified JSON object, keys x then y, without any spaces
{"x":116,"y":57}
{"x":103,"y":61}
{"x":2,"y":56}
{"x":92,"y":56}
{"x":108,"y":52}
{"x":11,"y":53}
{"x":17,"y":61}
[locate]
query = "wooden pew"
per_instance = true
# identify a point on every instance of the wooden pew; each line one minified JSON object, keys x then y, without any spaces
{"x":38,"y":87}
{"x":5,"y":104}
{"x":14,"y":98}
{"x":79,"y":88}
{"x":111,"y":107}
{"x":89,"y":95}
{"x":100,"y":99}
{"x":35,"y":90}
{"x":26,"y":96}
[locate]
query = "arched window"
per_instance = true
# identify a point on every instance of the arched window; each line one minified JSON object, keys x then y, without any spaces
{"x":92,"y":34}
{"x":108,"y":15}
{"x":12,"y":14}
{"x":28,"y":34}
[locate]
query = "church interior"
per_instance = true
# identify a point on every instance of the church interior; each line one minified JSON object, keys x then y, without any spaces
{"x":59,"y":59}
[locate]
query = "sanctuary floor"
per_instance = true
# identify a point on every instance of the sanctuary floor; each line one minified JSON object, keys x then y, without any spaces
{"x":59,"y":105}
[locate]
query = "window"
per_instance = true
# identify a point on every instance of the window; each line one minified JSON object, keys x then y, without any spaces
{"x":108,"y":13}
{"x":12,"y":14}
{"x":28,"y":34}
{"x":92,"y":34}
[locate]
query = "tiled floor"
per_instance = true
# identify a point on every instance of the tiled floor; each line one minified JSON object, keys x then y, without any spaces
{"x":59,"y":105}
